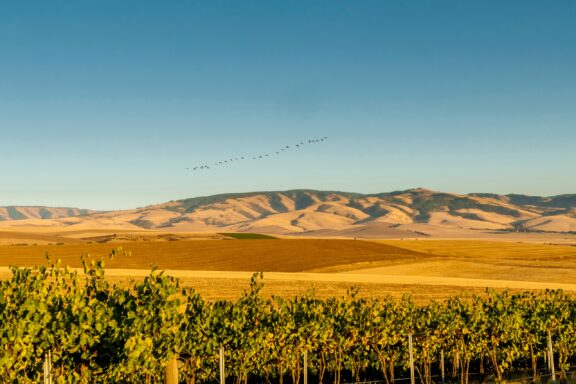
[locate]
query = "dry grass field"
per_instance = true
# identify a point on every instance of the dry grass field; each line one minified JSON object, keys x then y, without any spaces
{"x":14,"y":237}
{"x":486,"y":260}
{"x":50,"y":236}
{"x":280,"y":255}
{"x":427,"y":269}
{"x":489,"y":249}
{"x":219,"y":284}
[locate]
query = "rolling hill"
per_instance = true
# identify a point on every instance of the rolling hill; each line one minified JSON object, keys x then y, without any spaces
{"x":411,"y":213}
{"x":24,"y":213}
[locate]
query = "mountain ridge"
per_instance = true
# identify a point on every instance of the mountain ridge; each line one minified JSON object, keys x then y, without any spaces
{"x":308,"y":211}
{"x":23,"y":212}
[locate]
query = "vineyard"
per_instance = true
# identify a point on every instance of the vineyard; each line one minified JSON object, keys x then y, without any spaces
{"x":79,"y":328}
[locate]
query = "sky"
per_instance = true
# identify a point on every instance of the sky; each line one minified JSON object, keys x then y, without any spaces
{"x":104,"y":104}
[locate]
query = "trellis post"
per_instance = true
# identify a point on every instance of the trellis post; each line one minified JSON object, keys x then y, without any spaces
{"x":412,"y":377}
{"x":222,"y":372}
{"x":47,"y":367}
{"x":172,"y":371}
{"x":551,"y":357}
{"x":442,"y":363}
{"x":305,"y":367}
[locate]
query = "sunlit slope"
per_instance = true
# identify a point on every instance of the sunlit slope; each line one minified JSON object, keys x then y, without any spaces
{"x":427,"y":268}
{"x":483,"y":260}
{"x":488,"y":249}
{"x":10,"y":213}
{"x":403,"y":214}
{"x":226,"y":255}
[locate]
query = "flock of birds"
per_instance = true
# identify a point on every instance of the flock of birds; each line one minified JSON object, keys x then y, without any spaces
{"x":284,"y":149}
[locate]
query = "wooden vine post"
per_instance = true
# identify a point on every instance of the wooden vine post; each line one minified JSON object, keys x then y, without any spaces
{"x":442,"y":364}
{"x":222,"y":372}
{"x":172,"y":371}
{"x":47,"y":367}
{"x":412,"y":376}
{"x":305,"y":367}
{"x":551,"y":357}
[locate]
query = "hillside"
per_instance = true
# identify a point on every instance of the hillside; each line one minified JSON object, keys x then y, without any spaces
{"x":411,"y":213}
{"x":26,"y":213}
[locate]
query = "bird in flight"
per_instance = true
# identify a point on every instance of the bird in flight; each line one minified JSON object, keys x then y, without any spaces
{"x":283,"y":149}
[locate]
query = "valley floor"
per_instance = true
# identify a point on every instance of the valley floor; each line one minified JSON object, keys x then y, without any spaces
{"x":219,"y":267}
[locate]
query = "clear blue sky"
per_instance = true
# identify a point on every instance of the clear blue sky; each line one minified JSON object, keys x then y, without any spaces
{"x":103,"y":104}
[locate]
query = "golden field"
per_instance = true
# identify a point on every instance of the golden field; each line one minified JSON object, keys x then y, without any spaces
{"x":278,"y":255}
{"x":219,"y":266}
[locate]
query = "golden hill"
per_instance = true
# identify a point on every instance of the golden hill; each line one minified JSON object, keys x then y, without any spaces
{"x":411,"y":213}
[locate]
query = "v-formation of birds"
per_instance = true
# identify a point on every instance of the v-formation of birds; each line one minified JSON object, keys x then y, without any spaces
{"x":261,"y":156}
